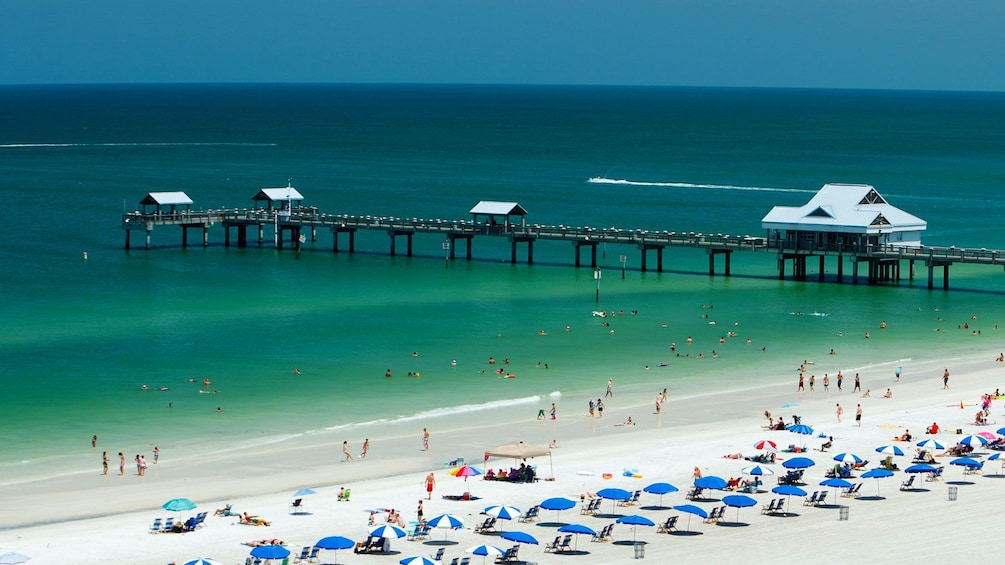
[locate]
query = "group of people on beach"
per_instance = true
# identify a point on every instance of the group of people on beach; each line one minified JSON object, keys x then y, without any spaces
{"x":140,"y":459}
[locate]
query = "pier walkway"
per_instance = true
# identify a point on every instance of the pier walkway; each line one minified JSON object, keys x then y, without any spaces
{"x":883,"y":262}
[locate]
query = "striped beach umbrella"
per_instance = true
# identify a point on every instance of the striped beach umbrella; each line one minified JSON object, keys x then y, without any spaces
{"x":889,"y":450}
{"x":931,"y":444}
{"x":387,"y":531}
{"x":766,"y":444}
{"x":447,"y":522}
{"x":974,"y":441}
{"x":503,"y":512}
{"x":847,"y":458}
{"x":757,"y":471}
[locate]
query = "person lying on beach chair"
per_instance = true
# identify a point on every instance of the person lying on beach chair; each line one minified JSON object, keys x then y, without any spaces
{"x":261,"y":542}
{"x":225,"y":511}
{"x":250,"y":520}
{"x":923,"y":456}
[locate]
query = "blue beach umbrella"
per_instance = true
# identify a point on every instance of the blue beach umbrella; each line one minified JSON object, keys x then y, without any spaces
{"x":270,"y":552}
{"x":178,"y":505}
{"x":577,"y":529}
{"x":973,"y":441}
{"x":889,"y":450}
{"x":447,"y":522}
{"x":711,"y":482}
{"x":690,"y":509}
{"x":931,"y":444}
{"x":877,"y":474}
{"x":801,"y":429}
{"x":788,"y":491}
{"x":558,"y":504}
{"x":738,"y":501}
{"x":835,"y":482}
{"x":485,"y":551}
{"x":305,"y":492}
{"x":798,"y":463}
{"x":203,"y":561}
{"x":660,"y":489}
{"x":998,"y":457}
{"x":1000,"y":431}
{"x":967,"y":462}
{"x":613,"y":494}
{"x":757,"y":471}
{"x":335,"y":543}
{"x":389,"y":531}
{"x":634,"y":520}
{"x":921,"y":468}
{"x":418,"y":560}
{"x":503,"y":512}
{"x":518,"y":537}
{"x":848,"y":458}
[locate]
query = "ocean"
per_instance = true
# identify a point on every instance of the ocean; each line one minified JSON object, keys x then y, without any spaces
{"x":82,"y":337}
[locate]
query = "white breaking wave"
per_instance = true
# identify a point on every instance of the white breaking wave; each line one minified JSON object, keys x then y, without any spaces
{"x":464,"y":408}
{"x":603,"y":180}
{"x":149,"y":144}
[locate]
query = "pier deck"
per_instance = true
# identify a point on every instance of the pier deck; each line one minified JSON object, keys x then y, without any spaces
{"x":883,"y":262}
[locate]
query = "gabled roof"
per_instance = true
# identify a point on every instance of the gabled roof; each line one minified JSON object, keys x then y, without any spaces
{"x":852,"y":208}
{"x":498,"y":208}
{"x":278,"y":194}
{"x":165,"y":199}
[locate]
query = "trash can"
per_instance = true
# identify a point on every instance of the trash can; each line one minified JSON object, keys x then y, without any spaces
{"x":843,"y":514}
{"x":952,"y":492}
{"x":640,"y":551}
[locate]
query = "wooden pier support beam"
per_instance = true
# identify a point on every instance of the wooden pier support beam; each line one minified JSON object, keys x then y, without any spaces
{"x":205,"y":235}
{"x":452,"y":238}
{"x":593,"y":252}
{"x":644,"y":248}
{"x":261,"y":235}
{"x":336,"y":230}
{"x":514,"y":240}
{"x":820,"y":275}
{"x":840,"y":269}
{"x":408,"y":240}
{"x":150,"y":231}
{"x":854,"y":270}
{"x":728,"y":253}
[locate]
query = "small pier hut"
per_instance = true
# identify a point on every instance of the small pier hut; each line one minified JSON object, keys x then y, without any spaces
{"x":497,"y":213}
{"x":844,"y":220}
{"x":278,"y":198}
{"x":165,"y":202}
{"x":843,"y":217}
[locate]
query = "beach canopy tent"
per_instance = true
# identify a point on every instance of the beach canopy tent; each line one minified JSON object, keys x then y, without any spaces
{"x":521,"y":450}
{"x":281,"y":198}
{"x":171,"y":200}
{"x":843,"y":217}
{"x":497,"y":213}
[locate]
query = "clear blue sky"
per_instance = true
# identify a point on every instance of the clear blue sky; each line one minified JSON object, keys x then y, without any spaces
{"x":910,"y":44}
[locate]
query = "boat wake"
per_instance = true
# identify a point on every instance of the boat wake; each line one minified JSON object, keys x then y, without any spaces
{"x":604,"y":180}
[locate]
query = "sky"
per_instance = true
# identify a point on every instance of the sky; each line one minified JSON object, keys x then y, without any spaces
{"x":872,"y":44}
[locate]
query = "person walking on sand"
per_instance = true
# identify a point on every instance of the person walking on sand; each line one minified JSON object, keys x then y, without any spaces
{"x":610,"y":389}
{"x":554,"y":411}
{"x":157,"y":454}
{"x":430,"y":483}
{"x":345,"y":450}
{"x":840,"y":380}
{"x":122,"y":464}
{"x":945,"y":380}
{"x":827,"y":382}
{"x":366,"y":448}
{"x":425,"y":439}
{"x":896,"y":373}
{"x":813,"y":381}
{"x":858,"y":384}
{"x":839,"y":411}
{"x":104,"y":462}
{"x":591,"y":408}
{"x":858,"y":415}
{"x":800,"y":388}
{"x":600,"y":408}
{"x":94,"y":441}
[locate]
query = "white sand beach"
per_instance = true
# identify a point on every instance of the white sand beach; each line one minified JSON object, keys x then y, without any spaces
{"x":99,"y":519}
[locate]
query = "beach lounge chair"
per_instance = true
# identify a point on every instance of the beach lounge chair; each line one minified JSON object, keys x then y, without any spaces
{"x":530,"y":514}
{"x":465,"y":561}
{"x":694,"y":494}
{"x":937,"y":475}
{"x":553,"y":546}
{"x":155,"y":528}
{"x":566,"y":544}
{"x":822,"y":498}
{"x":168,"y":525}
{"x":770,"y":508}
{"x":305,"y":553}
{"x":591,"y":507}
{"x":297,"y":506}
{"x":455,"y":561}
{"x":438,"y":556}
{"x":812,"y":499}
{"x":669,"y":526}
{"x":604,"y":534}
{"x":227,"y":510}
{"x":200,"y":519}
{"x":852,"y":491}
{"x":489,"y":525}
{"x":509,"y":556}
{"x":908,"y":484}
{"x":632,"y":500}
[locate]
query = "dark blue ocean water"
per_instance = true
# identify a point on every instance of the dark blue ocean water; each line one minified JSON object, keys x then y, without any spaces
{"x":81,"y":337}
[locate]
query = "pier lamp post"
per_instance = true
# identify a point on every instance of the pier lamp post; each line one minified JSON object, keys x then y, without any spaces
{"x":596,"y":275}
{"x":446,"y":254}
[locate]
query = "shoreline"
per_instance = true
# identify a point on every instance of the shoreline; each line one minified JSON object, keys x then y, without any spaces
{"x":315,"y":458}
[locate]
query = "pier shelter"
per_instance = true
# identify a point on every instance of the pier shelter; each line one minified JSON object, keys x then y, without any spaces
{"x":497,"y":218}
{"x":278,"y":198}
{"x":165,"y":202}
{"x":843,"y":220}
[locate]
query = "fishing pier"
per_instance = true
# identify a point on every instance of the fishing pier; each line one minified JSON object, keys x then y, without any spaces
{"x":882,"y":252}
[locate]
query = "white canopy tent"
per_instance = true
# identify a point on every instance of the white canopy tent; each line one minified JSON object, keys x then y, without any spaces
{"x":521,"y":450}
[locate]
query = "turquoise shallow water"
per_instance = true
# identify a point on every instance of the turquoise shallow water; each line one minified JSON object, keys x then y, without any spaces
{"x":81,"y":337}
